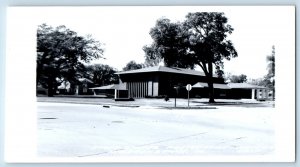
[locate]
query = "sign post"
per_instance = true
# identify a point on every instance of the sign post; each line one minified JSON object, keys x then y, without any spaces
{"x":188,"y":88}
{"x":176,"y":88}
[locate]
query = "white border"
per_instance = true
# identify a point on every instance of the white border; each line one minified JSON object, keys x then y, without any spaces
{"x":20,"y":116}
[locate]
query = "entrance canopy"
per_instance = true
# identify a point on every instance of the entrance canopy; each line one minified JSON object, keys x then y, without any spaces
{"x":112,"y":86}
{"x":216,"y":85}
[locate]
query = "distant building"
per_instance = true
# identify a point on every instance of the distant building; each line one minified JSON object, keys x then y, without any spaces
{"x":81,"y":88}
{"x":247,"y":91}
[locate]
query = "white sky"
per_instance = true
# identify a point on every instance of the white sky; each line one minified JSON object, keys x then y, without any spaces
{"x":125,"y":30}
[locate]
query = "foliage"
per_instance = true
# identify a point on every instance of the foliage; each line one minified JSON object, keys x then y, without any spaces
{"x":169,"y":44}
{"x":151,"y":58}
{"x":132,"y":65}
{"x":268,"y":80}
{"x":238,"y":78}
{"x":61,"y":53}
{"x":199,"y":40}
{"x":258,"y":81}
{"x":270,"y":77}
{"x":207,"y":36}
{"x":101,"y":74}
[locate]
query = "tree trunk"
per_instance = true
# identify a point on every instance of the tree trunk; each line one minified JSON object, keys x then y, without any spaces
{"x":50,"y":92}
{"x":210,"y":83}
{"x":50,"y":88}
{"x":273,"y":90}
{"x":211,"y":91}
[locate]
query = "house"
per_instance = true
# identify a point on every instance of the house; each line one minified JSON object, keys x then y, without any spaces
{"x":81,"y":88}
{"x":159,"y":81}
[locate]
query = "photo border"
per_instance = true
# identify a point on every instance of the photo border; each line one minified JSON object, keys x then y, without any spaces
{"x":39,"y":3}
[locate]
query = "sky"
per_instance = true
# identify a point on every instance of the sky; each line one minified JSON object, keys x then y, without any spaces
{"x":125,"y":30}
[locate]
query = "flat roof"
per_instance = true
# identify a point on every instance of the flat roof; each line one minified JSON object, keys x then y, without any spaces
{"x":244,"y":86}
{"x":164,"y":69}
{"x":229,"y":86}
{"x":112,"y":86}
{"x":216,"y":85}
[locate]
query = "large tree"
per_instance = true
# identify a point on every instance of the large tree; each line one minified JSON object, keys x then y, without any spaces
{"x":170,"y":45}
{"x":101,"y":74}
{"x":200,"y":40}
{"x":61,"y":53}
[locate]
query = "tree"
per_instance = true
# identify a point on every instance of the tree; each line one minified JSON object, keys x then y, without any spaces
{"x":132,"y":65}
{"x":169,"y":45}
{"x":150,"y":56}
{"x":271,"y":67}
{"x":238,"y":78}
{"x":257,"y":81}
{"x":270,"y":77}
{"x":102,"y":74}
{"x":61,"y":53}
{"x":199,"y":40}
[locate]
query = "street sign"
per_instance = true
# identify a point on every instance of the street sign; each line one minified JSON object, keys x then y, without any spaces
{"x":188,"y":87}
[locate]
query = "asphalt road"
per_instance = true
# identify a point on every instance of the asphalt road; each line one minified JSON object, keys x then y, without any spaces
{"x":85,"y":130}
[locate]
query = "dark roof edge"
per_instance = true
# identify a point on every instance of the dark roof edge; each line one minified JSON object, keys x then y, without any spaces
{"x":164,"y":69}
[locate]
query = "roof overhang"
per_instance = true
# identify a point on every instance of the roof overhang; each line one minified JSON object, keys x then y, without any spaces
{"x":216,"y":85}
{"x":244,"y":86}
{"x":110,"y":87}
{"x":164,"y":69}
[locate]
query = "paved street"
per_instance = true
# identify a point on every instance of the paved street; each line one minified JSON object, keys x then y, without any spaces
{"x":90,"y":130}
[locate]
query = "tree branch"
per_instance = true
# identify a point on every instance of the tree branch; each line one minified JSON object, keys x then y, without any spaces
{"x":204,"y":68}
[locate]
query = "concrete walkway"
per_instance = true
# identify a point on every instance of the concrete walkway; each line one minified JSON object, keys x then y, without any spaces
{"x":152,"y":102}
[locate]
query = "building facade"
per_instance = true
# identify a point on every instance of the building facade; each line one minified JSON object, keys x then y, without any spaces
{"x":161,"y":81}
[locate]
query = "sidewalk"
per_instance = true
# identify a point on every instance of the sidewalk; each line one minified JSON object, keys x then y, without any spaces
{"x":145,"y":102}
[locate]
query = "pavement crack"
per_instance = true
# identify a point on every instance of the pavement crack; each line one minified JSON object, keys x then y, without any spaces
{"x":238,"y":138}
{"x":171,"y":139}
{"x":88,"y":155}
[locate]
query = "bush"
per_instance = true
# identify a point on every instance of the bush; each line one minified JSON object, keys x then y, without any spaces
{"x":166,"y":98}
